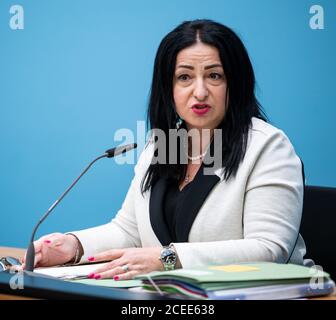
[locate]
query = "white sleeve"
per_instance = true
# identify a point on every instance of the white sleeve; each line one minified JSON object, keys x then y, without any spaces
{"x":272,"y":212}
{"x":122,"y":230}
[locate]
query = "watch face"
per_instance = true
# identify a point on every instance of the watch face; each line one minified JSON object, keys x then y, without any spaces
{"x":168,"y":256}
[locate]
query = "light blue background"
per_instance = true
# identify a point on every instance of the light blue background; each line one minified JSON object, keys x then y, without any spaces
{"x":80,"y":70}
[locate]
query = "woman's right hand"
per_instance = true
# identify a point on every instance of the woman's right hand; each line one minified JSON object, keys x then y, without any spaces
{"x":54,"y":249}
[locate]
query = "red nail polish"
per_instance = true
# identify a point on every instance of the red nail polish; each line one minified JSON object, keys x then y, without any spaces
{"x":91,"y":259}
{"x":47,"y":241}
{"x":116,"y":278}
{"x":91,"y":275}
{"x":97,"y":276}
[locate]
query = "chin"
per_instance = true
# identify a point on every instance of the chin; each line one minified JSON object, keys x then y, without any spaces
{"x":200,"y":126}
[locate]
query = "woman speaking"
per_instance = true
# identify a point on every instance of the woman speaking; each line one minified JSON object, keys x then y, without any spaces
{"x":183,"y":210}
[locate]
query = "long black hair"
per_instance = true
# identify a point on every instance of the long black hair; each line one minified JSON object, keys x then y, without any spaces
{"x":242,"y":103}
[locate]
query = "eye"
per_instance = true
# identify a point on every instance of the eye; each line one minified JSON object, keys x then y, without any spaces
{"x":215,"y":76}
{"x":183,"y":77}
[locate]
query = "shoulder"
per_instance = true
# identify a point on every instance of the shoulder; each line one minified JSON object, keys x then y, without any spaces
{"x":269,"y":149}
{"x":145,"y":158}
{"x":264,"y":134}
{"x":268,"y":145}
{"x":262,"y":128}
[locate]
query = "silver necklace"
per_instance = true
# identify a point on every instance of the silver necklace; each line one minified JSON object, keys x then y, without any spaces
{"x":200,"y":156}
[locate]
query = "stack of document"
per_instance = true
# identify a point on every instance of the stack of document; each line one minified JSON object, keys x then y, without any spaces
{"x":70,"y":272}
{"x":246,"y":281}
{"x":79,"y":274}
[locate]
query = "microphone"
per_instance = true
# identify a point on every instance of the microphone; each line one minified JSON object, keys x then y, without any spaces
{"x":119,"y":150}
{"x":110,"y":153}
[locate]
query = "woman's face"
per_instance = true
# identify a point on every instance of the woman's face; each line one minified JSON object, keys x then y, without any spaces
{"x":200,"y":87}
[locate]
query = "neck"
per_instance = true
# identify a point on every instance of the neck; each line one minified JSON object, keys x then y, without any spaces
{"x":199,"y":140}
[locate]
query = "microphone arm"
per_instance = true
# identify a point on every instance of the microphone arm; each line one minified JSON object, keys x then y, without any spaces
{"x":110,"y":153}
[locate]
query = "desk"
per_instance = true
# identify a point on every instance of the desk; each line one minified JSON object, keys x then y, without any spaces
{"x":19,"y":253}
{"x":15,"y":252}
{"x":44,"y":287}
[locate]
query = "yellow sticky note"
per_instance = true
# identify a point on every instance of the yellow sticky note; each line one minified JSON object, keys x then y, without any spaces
{"x":234,"y":268}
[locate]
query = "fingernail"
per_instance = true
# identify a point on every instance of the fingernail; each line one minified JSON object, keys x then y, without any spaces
{"x":91,"y":275}
{"x":91,"y":258}
{"x":116,"y":278}
{"x":47,"y":241}
{"x":97,"y":276}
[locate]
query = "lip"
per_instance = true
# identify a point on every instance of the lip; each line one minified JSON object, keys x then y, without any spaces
{"x":202,"y":111}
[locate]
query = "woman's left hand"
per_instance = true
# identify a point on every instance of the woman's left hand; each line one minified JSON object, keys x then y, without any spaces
{"x":126,"y":263}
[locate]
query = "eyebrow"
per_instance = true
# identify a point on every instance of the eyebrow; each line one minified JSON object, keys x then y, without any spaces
{"x":206,"y":68}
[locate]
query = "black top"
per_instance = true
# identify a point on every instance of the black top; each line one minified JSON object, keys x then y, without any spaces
{"x":172,"y":199}
{"x":172,"y":212}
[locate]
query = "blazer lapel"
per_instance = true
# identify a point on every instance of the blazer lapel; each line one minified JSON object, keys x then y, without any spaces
{"x":156,"y":213}
{"x":193,"y":200}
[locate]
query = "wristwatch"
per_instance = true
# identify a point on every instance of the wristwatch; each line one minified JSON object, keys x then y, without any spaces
{"x":168,"y":258}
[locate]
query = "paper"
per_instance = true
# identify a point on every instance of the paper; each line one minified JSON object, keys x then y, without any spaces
{"x":111,"y":283}
{"x":275,"y":292}
{"x":234,"y":268}
{"x":70,"y":272}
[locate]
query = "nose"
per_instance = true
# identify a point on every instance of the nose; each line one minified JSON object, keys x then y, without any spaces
{"x":200,"y":90}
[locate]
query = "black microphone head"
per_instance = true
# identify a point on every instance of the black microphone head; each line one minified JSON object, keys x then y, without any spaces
{"x":119,"y":150}
{"x":30,"y":257}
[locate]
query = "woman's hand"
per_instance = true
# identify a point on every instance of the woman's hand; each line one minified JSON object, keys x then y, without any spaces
{"x":137,"y":260}
{"x":54,"y":249}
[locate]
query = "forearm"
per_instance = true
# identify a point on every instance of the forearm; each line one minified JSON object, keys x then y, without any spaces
{"x":102,"y":238}
{"x":201,"y":254}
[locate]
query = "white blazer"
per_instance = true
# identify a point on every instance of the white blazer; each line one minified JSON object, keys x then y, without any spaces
{"x":254,"y":216}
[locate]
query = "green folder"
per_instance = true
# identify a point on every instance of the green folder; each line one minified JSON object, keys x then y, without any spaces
{"x":110,"y":283}
{"x":239,"y":275}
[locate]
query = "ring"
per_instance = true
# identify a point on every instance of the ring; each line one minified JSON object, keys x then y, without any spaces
{"x":125,"y":267}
